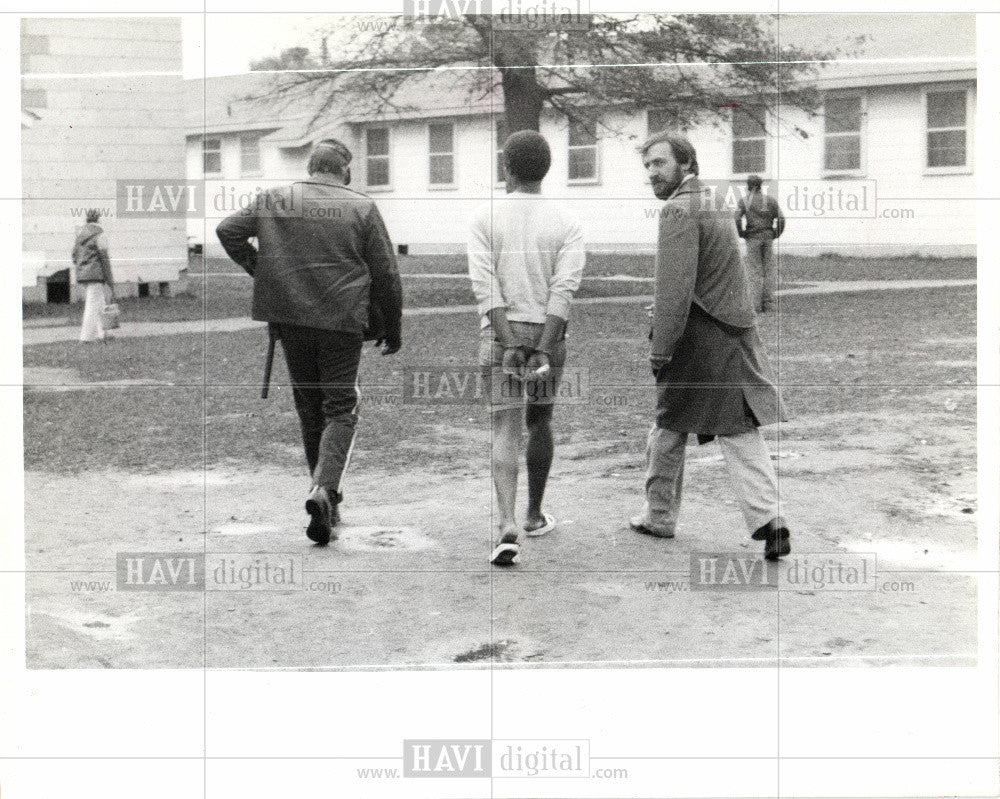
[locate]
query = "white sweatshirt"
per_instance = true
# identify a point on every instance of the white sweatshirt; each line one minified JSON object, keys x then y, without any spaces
{"x":526,"y":254}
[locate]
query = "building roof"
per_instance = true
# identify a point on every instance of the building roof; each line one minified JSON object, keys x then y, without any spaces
{"x":225,"y":105}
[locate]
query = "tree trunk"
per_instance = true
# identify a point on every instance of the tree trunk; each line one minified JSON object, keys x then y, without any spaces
{"x":523,"y":99}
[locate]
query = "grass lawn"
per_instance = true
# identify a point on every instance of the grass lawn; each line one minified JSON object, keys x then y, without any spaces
{"x":215,"y":294}
{"x":841,"y":353}
{"x":797,"y":268}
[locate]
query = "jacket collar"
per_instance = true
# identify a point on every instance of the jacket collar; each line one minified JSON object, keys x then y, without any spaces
{"x":327,"y":180}
{"x":689,"y":185}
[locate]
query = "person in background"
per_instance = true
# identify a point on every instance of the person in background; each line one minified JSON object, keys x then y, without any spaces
{"x":759,"y":220}
{"x":526,"y":257}
{"x":93,"y":270}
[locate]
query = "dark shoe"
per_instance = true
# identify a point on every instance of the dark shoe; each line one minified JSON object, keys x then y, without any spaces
{"x":638,"y":524}
{"x":506,"y":550}
{"x":775,"y":536}
{"x":324,"y":516}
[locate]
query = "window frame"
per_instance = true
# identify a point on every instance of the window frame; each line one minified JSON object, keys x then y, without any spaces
{"x":732,"y":146}
{"x":498,"y":142}
{"x":861,"y":133}
{"x":453,"y":154}
{"x":596,"y":146}
{"x":255,"y":138}
{"x":969,"y":128}
{"x":34,"y":97}
{"x":205,"y":151}
{"x":387,"y":186}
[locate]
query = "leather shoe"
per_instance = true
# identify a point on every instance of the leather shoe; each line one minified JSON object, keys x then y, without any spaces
{"x":775,"y":536}
{"x":639,"y":524}
{"x":324,"y":516}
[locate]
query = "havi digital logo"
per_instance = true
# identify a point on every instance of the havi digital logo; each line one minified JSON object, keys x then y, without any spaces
{"x":446,"y":758}
{"x":445,"y":8}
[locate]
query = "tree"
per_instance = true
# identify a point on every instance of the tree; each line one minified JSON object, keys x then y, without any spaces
{"x":691,"y":66}
{"x":290,"y":58}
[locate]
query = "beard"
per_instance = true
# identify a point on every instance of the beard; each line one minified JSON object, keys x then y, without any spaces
{"x":664,"y":187}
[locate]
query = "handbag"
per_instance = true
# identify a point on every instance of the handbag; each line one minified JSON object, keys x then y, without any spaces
{"x":111,"y":314}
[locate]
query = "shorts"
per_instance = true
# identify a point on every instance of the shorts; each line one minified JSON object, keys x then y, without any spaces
{"x":505,"y":391}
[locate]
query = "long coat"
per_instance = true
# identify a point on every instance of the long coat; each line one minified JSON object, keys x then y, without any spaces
{"x":718,"y":380}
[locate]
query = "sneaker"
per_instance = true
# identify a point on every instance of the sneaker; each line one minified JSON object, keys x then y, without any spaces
{"x":506,"y":550}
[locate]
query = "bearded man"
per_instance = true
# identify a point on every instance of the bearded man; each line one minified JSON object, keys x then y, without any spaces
{"x":711,"y":371}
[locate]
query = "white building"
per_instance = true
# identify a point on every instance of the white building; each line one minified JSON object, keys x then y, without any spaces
{"x":895,"y":133}
{"x":88,"y":121}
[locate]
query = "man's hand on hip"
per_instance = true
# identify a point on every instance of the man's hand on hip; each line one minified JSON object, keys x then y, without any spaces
{"x":390,"y":344}
{"x":657,"y":363}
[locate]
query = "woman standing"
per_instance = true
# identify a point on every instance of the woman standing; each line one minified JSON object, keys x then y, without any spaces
{"x":93,"y":269}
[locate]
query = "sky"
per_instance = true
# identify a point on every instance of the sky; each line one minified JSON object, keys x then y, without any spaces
{"x":234,"y":39}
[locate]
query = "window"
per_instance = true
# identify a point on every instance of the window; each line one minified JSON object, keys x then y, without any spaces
{"x":501,"y":132}
{"x":749,"y":141}
{"x":33,"y":98}
{"x":249,"y":154}
{"x":946,"y":134}
{"x":842,"y":149}
{"x":658,"y":119}
{"x":377,"y":157}
{"x":211,"y":150}
{"x":442,"y":153}
{"x":582,"y":152}
{"x":33,"y":44}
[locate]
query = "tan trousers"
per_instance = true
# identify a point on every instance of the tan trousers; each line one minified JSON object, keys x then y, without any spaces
{"x":748,"y":463}
{"x":92,"y":330}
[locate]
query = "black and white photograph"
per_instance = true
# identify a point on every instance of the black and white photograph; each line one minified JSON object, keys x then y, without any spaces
{"x":524,"y":345}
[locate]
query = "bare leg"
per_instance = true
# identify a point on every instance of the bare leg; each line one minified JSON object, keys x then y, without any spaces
{"x":506,"y":448}
{"x":539,"y":460}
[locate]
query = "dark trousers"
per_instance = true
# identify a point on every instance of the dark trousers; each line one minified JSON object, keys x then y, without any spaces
{"x":323,"y":366}
{"x":763,"y":273}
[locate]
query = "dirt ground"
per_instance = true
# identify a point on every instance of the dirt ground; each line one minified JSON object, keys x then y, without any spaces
{"x":408,"y":583}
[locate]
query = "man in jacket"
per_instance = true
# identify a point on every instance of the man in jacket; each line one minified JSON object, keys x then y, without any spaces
{"x":325,"y":279}
{"x":759,"y":220}
{"x":712,"y":375}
